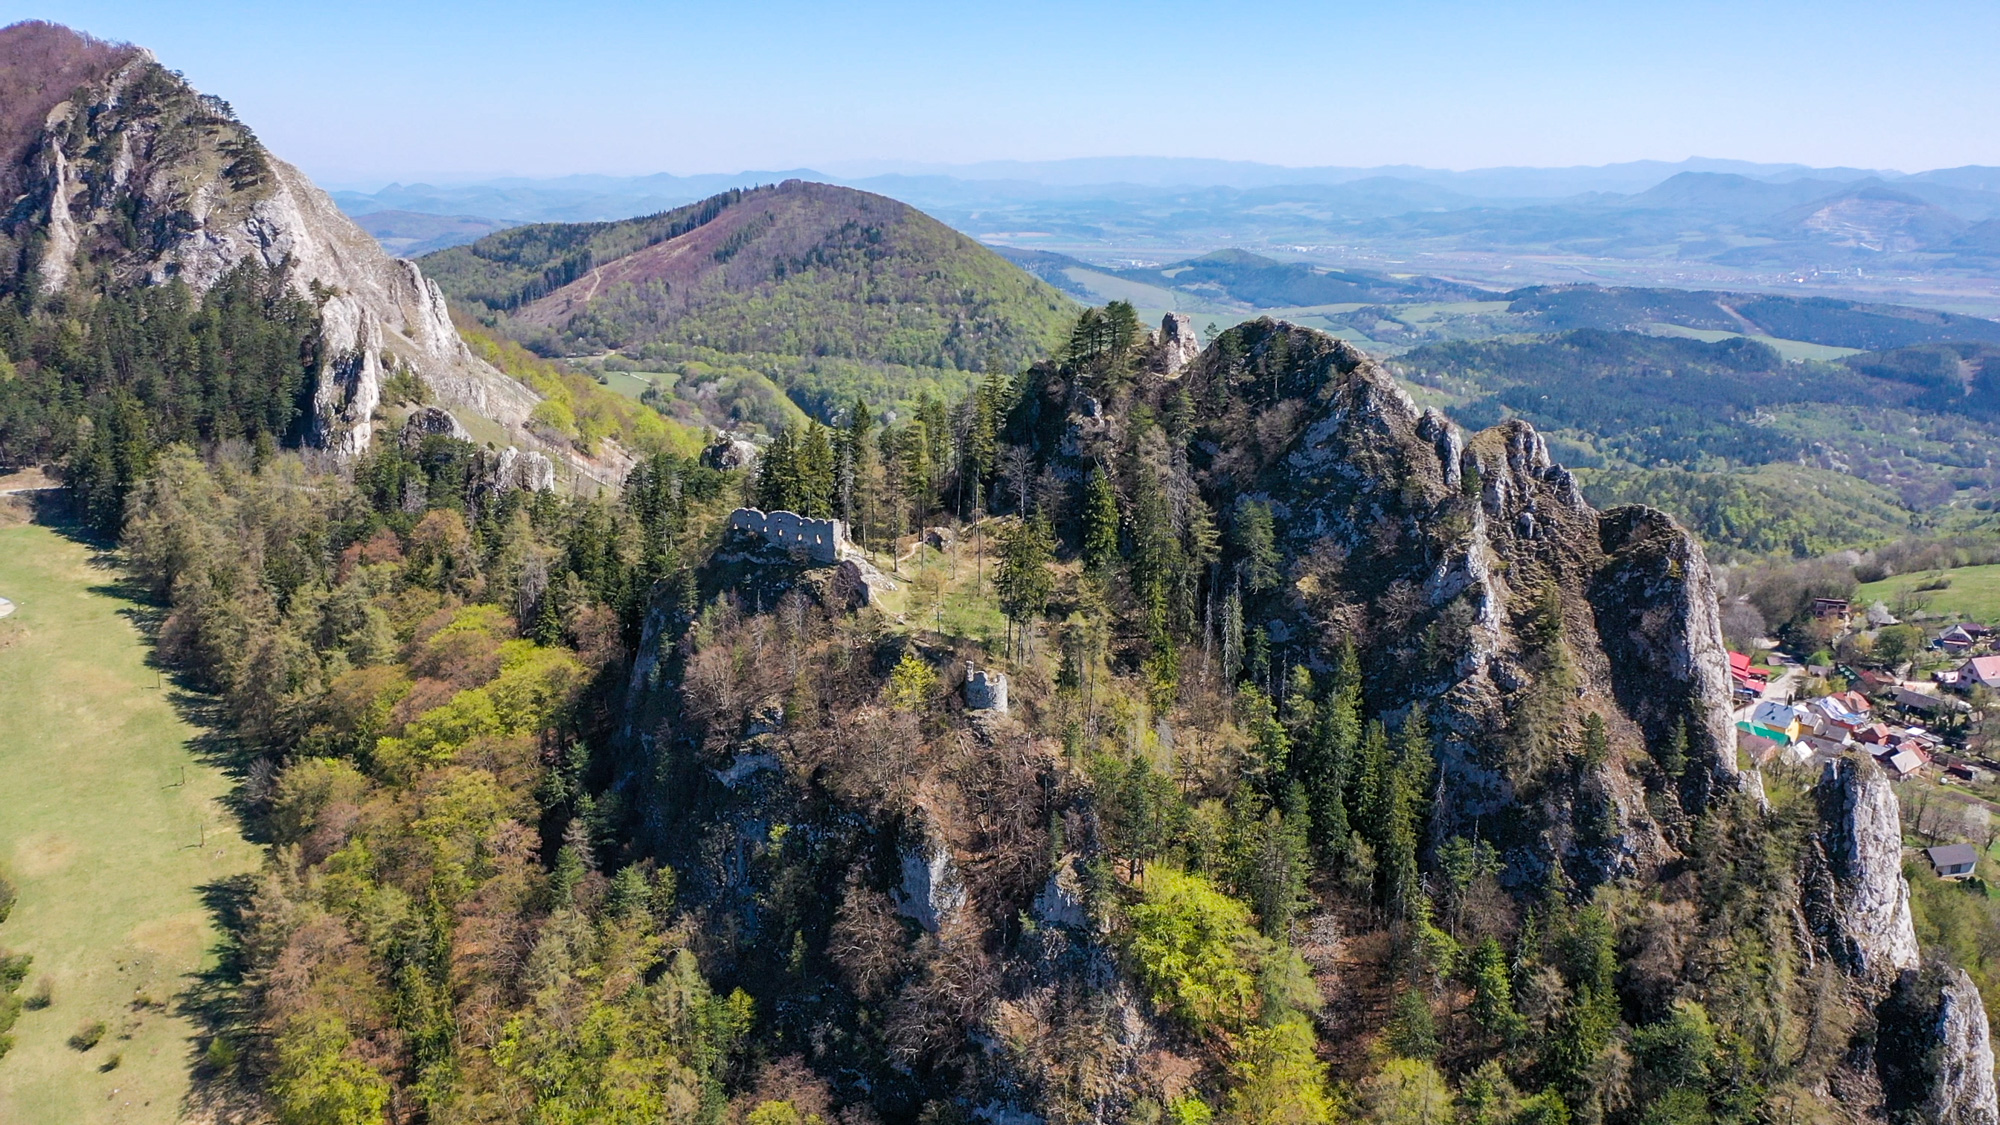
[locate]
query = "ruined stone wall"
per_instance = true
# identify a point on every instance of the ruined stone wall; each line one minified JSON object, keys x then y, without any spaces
{"x":822,"y":541}
{"x":985,"y":691}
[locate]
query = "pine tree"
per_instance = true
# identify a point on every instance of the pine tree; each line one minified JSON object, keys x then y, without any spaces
{"x":1673,"y":755}
{"x":1025,"y":582}
{"x":1100,"y":526}
{"x":1257,"y":546}
{"x":1493,"y":992}
{"x":1328,"y":757}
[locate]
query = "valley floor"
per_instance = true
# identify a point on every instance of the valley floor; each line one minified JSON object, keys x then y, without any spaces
{"x":113,"y":827}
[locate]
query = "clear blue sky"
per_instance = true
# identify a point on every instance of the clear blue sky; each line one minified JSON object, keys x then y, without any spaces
{"x":362,"y":91}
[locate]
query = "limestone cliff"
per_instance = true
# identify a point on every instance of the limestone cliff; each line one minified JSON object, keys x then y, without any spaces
{"x":1934,"y":1050}
{"x":132,"y":177}
{"x":1485,"y":589}
{"x":1964,"y":1091}
{"x":1861,"y":905}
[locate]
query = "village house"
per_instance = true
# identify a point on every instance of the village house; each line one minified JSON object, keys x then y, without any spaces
{"x":1953,"y":861}
{"x":1749,"y":684}
{"x":1831,"y":608}
{"x":1981,"y":670}
{"x":1962,"y":638}
{"x":1757,"y":748}
{"x":1908,"y":697}
{"x":1903,"y":764}
{"x":1779,"y":722}
{"x":1875,"y":734}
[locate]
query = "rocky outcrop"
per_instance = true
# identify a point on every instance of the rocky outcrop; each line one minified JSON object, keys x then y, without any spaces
{"x":1656,"y":609}
{"x":1963,"y":1093}
{"x":137,"y":179}
{"x":729,"y":451}
{"x":1934,"y":1050}
{"x":431,"y":421}
{"x":1441,"y":556}
{"x":532,"y":471}
{"x":1178,"y":343}
{"x":1861,"y":905}
{"x":930,"y":891}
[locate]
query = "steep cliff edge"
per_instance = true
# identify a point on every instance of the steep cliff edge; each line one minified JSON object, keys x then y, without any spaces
{"x":1862,"y":908}
{"x":131,"y":177}
{"x":1935,"y":1050}
{"x":1485,"y":589}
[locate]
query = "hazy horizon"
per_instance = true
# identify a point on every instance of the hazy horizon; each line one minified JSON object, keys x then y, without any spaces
{"x":456,"y":92}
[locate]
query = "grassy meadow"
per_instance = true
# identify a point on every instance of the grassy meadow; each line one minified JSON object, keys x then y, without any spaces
{"x":111,"y":826}
{"x":1974,"y":593}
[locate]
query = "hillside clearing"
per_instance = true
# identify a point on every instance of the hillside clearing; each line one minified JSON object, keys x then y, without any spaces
{"x":110,"y":847}
{"x":1974,"y":593}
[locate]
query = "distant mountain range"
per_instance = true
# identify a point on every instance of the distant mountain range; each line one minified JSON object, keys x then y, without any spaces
{"x":1932,"y":237}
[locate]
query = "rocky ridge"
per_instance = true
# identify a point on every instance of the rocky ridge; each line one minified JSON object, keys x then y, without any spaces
{"x":132,"y":177}
{"x":1435,"y":550}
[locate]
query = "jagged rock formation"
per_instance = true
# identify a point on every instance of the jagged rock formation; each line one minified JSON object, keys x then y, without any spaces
{"x":1862,"y":905}
{"x":1964,"y":1091}
{"x":129,"y":176}
{"x":431,"y":421}
{"x":931,"y":891}
{"x":1934,"y":1050}
{"x":729,"y":451}
{"x":1434,"y":551}
{"x":1178,"y":343}
{"x":532,"y":470}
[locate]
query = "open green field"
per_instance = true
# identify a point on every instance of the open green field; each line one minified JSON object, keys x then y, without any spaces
{"x":1794,"y":350}
{"x":109,"y":846}
{"x":632,"y":384}
{"x":1974,"y":592}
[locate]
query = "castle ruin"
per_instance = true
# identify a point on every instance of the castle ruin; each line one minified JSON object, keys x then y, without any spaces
{"x":985,"y":691}
{"x":822,"y":541}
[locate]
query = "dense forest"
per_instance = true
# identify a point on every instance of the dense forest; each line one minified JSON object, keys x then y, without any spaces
{"x":108,"y":383}
{"x":578,"y":812}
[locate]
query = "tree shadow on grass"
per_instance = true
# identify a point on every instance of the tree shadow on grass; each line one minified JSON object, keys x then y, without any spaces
{"x":218,"y":999}
{"x":220,"y":1002}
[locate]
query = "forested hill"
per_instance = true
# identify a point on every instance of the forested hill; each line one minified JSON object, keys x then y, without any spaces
{"x":1756,"y":453}
{"x":797,"y":269}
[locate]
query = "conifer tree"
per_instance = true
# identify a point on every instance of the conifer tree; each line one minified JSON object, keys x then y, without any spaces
{"x":1100,"y":526}
{"x":1024,"y":582}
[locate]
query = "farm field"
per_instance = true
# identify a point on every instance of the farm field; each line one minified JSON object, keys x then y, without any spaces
{"x":111,"y":826}
{"x":1974,"y":592}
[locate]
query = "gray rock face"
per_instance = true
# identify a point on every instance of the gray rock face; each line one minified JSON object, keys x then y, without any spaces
{"x":1178,"y":343}
{"x":139,"y":148}
{"x":1656,"y":608}
{"x":1060,"y":902}
{"x":1435,"y":552}
{"x":1963,"y":1093}
{"x":1867,"y":925}
{"x":431,"y":421}
{"x":532,"y":471}
{"x":930,"y":891}
{"x":729,"y":451}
